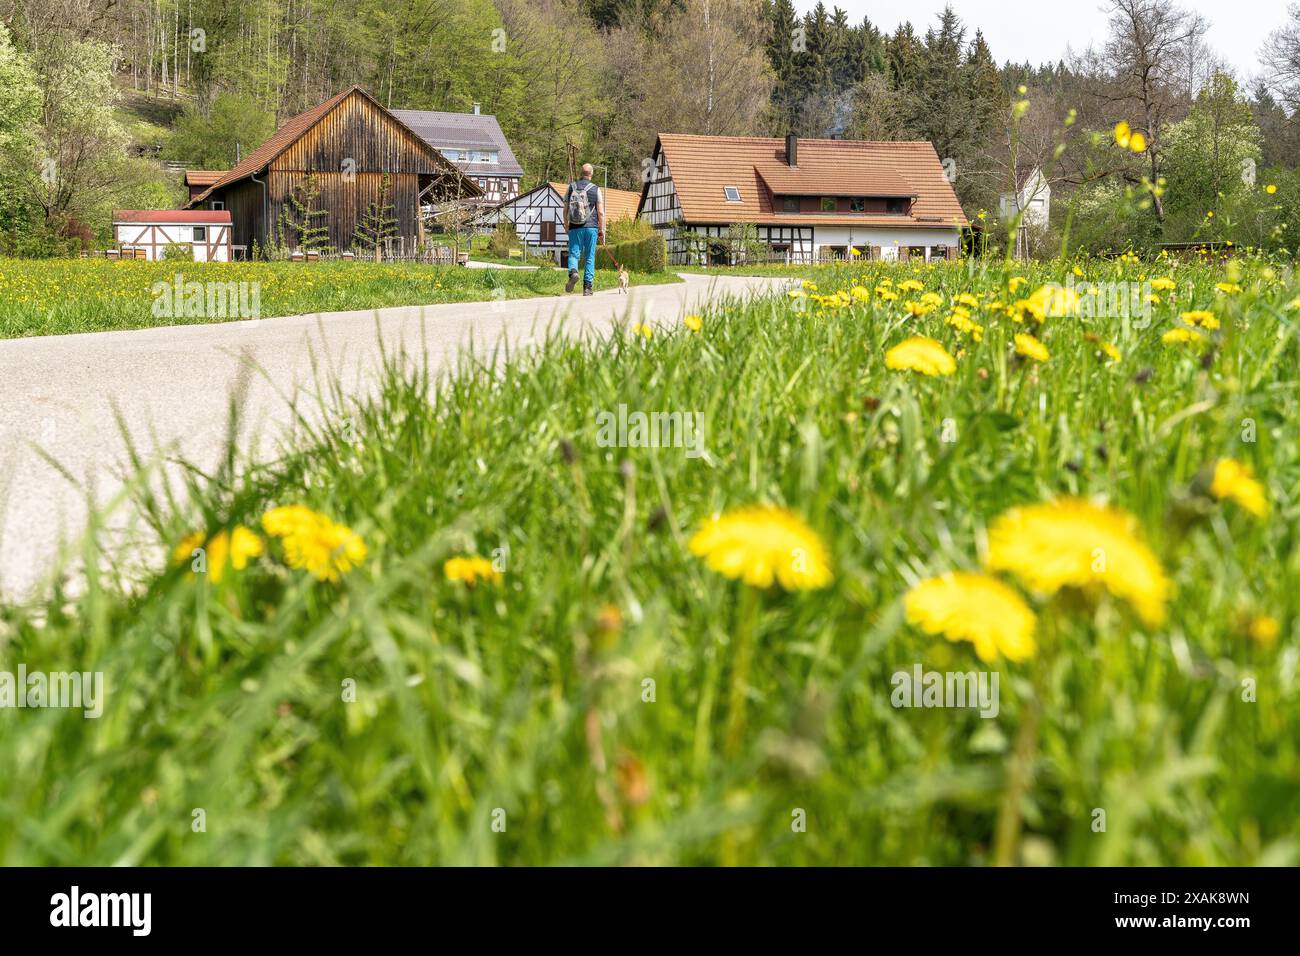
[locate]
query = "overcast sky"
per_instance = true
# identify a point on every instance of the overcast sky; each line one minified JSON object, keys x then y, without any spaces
{"x":1040,"y":30}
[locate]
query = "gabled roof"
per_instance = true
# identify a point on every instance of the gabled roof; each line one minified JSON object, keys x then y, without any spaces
{"x":701,"y":166}
{"x":289,"y":133}
{"x":464,"y":131}
{"x":203,"y":177}
{"x":619,"y":203}
{"x":220,"y":217}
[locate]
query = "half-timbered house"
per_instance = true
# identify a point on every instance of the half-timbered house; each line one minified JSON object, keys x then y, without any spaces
{"x":474,"y":142}
{"x":151,"y":231}
{"x":802,"y":200}
{"x":325,"y":169}
{"x":539,"y":216}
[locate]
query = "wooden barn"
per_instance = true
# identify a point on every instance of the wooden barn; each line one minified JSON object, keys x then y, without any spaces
{"x":312,"y":184}
{"x":539,"y":217}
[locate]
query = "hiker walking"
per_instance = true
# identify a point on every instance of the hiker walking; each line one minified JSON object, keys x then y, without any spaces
{"x":584,"y":205}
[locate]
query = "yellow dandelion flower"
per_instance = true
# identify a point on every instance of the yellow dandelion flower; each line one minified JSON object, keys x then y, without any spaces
{"x":1264,"y":630}
{"x":1164,"y":284}
{"x":1204,"y":319}
{"x":1270,"y":189}
{"x":313,"y":542}
{"x":910,"y":285}
{"x":287,"y":519}
{"x":222,"y":550}
{"x":1055,"y":301}
{"x":1030,"y":347}
{"x":642,"y":329}
{"x":693,"y":322}
{"x":1015,"y":282}
{"x":978,"y":608}
{"x":1181,"y":336}
{"x":860,"y":293}
{"x":916,"y":308}
{"x":1228,"y":288}
{"x":968,"y":300}
{"x":1236,"y":480}
{"x":920,"y":354}
{"x":1111,"y":352}
{"x":469,"y":570}
{"x":1071,"y":542}
{"x":762,"y":545}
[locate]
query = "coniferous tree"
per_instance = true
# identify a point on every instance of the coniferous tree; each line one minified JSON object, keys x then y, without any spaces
{"x":378,"y":222}
{"x":301,"y":224}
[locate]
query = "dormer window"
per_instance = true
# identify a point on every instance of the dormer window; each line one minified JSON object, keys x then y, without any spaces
{"x":732,"y":193}
{"x":828,"y":204}
{"x":857,"y":205}
{"x":896,"y":207}
{"x":789,"y":204}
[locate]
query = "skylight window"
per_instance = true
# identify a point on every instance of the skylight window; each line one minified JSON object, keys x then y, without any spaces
{"x":732,"y":193}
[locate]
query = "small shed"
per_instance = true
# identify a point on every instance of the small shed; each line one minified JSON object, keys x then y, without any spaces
{"x":197,"y":181}
{"x":207,"y":231}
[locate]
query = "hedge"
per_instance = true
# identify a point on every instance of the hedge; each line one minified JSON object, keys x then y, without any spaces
{"x":644,"y":255}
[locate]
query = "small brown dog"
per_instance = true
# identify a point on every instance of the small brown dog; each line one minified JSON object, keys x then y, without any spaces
{"x":622,"y":279}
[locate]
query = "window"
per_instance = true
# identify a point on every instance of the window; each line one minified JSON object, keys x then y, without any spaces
{"x":482,"y":184}
{"x":857,"y":205}
{"x":732,"y":193}
{"x":896,"y":207}
{"x":548,"y":230}
{"x":828,"y":204}
{"x":217,"y":204}
{"x":200,"y":233}
{"x":789,"y":204}
{"x":452,"y":154}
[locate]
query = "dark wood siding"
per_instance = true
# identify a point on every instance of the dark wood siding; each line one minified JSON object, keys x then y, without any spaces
{"x":348,"y":151}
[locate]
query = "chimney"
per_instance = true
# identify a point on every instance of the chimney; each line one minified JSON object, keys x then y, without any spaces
{"x":476,"y":109}
{"x":791,"y":149}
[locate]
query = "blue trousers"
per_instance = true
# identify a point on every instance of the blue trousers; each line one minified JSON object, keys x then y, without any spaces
{"x":582,"y":246}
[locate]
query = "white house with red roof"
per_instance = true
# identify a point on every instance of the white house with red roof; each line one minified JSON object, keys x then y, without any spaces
{"x":206,"y":231}
{"x":805,"y":200}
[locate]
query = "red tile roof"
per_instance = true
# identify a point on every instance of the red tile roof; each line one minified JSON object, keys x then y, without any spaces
{"x":702,"y":165}
{"x":203,"y":177}
{"x":280,"y":140}
{"x":173,"y":216}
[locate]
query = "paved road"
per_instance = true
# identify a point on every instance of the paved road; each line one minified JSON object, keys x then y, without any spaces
{"x":173,"y":386}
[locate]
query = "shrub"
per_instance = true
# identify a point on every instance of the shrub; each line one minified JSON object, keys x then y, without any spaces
{"x":178,"y":250}
{"x":645,"y":255}
{"x":504,"y":240}
{"x":627,"y":229}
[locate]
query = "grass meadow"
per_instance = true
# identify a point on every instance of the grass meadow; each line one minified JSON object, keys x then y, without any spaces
{"x":63,"y":296}
{"x":526,"y":656}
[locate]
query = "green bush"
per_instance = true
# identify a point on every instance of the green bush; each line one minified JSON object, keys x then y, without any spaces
{"x":178,"y":250}
{"x":645,"y":255}
{"x":627,"y":229}
{"x":504,"y":240}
